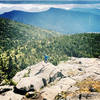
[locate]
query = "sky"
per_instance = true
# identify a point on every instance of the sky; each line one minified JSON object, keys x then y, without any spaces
{"x":43,"y":7}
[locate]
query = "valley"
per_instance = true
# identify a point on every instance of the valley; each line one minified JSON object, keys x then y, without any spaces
{"x":23,"y":45}
{"x":73,"y":62}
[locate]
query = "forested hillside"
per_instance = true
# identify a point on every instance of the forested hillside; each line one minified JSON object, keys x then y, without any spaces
{"x":19,"y":44}
{"x":23,"y":45}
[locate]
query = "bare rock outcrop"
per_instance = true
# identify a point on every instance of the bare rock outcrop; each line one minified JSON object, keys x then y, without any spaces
{"x":37,"y":76}
{"x":84,"y":96}
{"x":50,"y":80}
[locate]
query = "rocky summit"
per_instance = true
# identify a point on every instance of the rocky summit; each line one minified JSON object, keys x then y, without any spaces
{"x":75,"y":79}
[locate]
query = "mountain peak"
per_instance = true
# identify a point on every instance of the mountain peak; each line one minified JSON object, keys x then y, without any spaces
{"x":56,"y":9}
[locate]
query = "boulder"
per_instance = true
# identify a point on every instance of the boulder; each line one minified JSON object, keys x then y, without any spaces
{"x":41,"y":70}
{"x":44,"y":72}
{"x":30,"y":83}
{"x":47,"y":71}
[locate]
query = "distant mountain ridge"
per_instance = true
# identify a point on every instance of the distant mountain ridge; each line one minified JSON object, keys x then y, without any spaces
{"x":75,"y":20}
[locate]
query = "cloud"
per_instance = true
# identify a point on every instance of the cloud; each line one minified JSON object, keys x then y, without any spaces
{"x":27,"y":7}
{"x":42,"y":7}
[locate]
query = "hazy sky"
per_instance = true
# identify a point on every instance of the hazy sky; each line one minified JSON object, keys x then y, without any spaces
{"x":42,"y":7}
